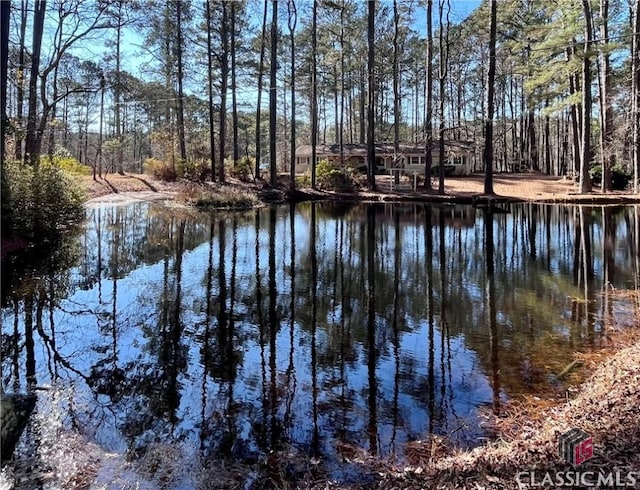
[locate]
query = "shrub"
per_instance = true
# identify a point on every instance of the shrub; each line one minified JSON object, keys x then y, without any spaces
{"x":303,"y":180}
{"x":358,"y":179}
{"x":41,"y":201}
{"x":243,"y":168}
{"x":330,"y":177}
{"x":63,"y":160}
{"x":620,"y":178}
{"x":194,"y":170}
{"x":160,"y":170}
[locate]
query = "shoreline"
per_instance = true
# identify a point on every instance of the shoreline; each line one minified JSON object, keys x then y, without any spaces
{"x":130,"y":197}
{"x":510,"y":188}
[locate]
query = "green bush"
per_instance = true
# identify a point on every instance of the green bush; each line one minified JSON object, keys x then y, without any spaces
{"x":620,"y":178}
{"x":42,"y":201}
{"x":63,"y":160}
{"x":160,"y":170}
{"x":330,"y":177}
{"x":243,"y":168}
{"x":303,"y":180}
{"x":194,"y":170}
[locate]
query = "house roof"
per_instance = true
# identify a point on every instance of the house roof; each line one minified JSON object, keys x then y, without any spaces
{"x":452,"y":147}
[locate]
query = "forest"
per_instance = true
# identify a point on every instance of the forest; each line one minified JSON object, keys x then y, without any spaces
{"x":205,"y":88}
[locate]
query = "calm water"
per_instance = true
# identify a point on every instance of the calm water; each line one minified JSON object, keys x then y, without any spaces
{"x":324,"y":328}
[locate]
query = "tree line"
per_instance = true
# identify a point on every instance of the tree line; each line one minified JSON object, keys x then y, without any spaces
{"x":552,"y":87}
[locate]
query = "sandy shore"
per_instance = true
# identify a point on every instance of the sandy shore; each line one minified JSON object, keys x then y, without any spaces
{"x":130,"y":197}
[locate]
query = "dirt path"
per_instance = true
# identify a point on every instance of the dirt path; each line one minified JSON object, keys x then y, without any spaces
{"x":118,"y":188}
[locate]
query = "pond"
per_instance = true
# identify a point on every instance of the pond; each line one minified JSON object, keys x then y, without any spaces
{"x":328,"y":330}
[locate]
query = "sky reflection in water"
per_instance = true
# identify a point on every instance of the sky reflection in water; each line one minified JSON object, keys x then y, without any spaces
{"x":235,"y":334}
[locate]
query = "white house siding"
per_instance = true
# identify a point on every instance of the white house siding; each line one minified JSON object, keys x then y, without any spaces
{"x":461,"y":165}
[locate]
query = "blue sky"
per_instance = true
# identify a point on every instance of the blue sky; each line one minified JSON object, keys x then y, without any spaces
{"x":460,"y":9}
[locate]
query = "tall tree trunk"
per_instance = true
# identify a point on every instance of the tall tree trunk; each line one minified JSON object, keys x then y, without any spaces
{"x":293,"y":18}
{"x":179,"y":54}
{"x":532,"y":138}
{"x":212,"y":141}
{"x":234,"y":102}
{"x":522,"y":139}
{"x":488,"y":127}
{"x":84,"y":142}
{"x":224,"y":73}
{"x":575,"y":123}
{"x":99,"y":152}
{"x":117,"y":92}
{"x":314,"y":92}
{"x":54,"y":106}
{"x":514,"y":129}
{"x":32,"y":146}
{"x":371,"y":149}
{"x":273,"y":170}
{"x":336,"y":116}
{"x":444,"y":62}
{"x":20,"y":76}
{"x":606,"y":114}
{"x":363,"y":109}
{"x":635,"y":95}
{"x":263,"y":42}
{"x":396,"y":94}
{"x":429,"y":100}
{"x":585,"y":180}
{"x":342,"y":84}
{"x":5,"y":212}
{"x":54,"y":95}
{"x":547,"y":141}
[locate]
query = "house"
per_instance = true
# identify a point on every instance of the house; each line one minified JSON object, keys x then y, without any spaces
{"x":410,"y":159}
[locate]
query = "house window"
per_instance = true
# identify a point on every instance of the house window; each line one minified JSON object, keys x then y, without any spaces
{"x":458,"y":161}
{"x":417,"y":160}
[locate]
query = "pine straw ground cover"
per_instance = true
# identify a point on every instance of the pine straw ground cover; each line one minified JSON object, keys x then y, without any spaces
{"x":216,"y":196}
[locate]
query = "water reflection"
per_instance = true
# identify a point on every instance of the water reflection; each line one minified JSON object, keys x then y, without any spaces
{"x":335,"y":329}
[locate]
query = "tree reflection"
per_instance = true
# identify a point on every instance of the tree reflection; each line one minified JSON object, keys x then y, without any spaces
{"x":490,"y":299}
{"x":205,"y":349}
{"x":32,"y":280}
{"x":315,"y":439}
{"x":371,"y":330}
{"x":325,"y":329}
{"x":431,"y":377}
